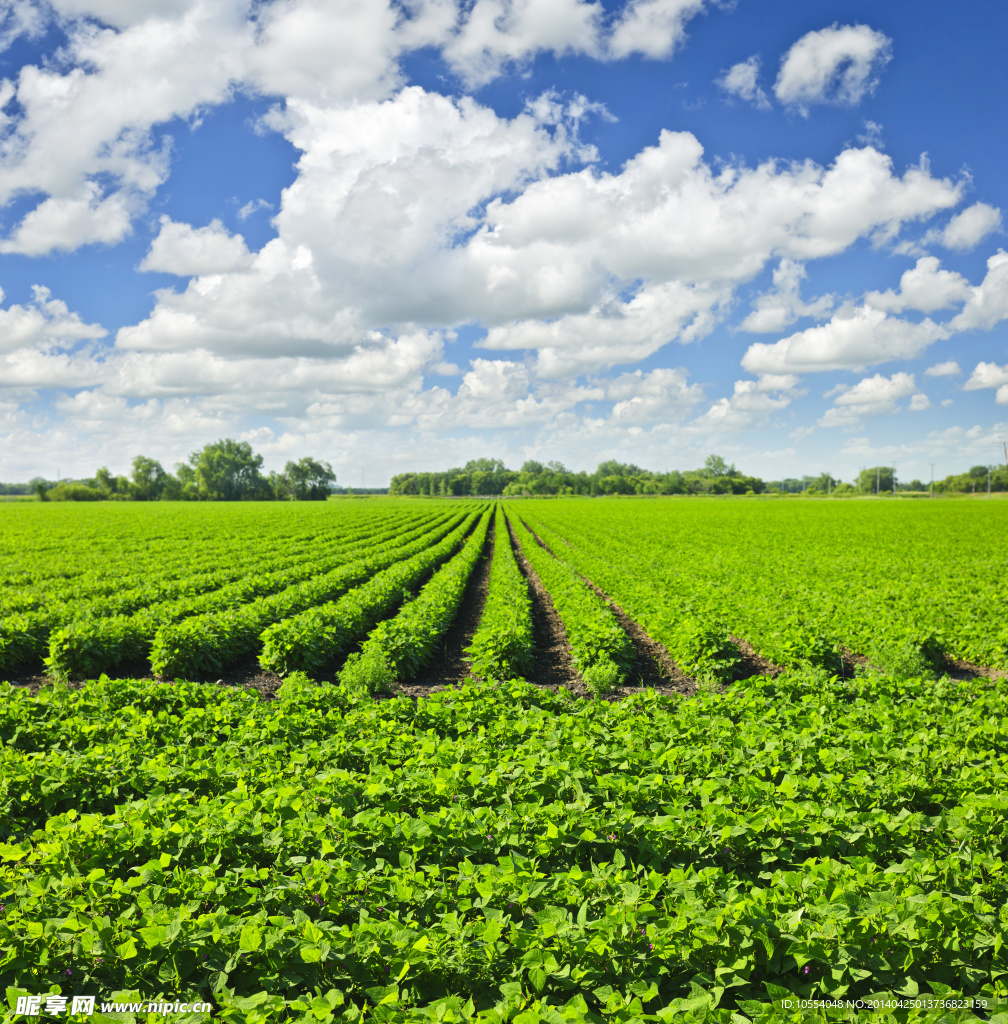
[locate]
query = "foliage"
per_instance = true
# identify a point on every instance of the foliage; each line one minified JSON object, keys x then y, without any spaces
{"x":399,"y":647}
{"x":502,"y":646}
{"x":801,"y":582}
{"x":304,"y":480}
{"x":601,"y":650}
{"x":502,"y":853}
{"x":314,"y":639}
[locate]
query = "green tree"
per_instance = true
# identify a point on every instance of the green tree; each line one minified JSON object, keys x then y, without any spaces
{"x":877,"y":479}
{"x":308,"y":480}
{"x":228,"y":470}
{"x":715,"y":466}
{"x":148,"y":478}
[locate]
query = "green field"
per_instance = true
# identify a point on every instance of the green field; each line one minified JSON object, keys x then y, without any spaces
{"x":819,"y":814}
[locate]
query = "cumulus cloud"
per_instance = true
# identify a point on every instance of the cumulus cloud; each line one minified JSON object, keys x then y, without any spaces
{"x":68,"y":222}
{"x":83,"y":139}
{"x":871,"y":396}
{"x":854,"y":337}
{"x":613,"y":332}
{"x":966,"y":229}
{"x":987,"y":375}
{"x":833,"y":65}
{"x":947,"y":369}
{"x":43,"y":324}
{"x":752,"y":402}
{"x":926,"y":287}
{"x":497,"y":33}
{"x":657,"y":396}
{"x":20,"y":18}
{"x":987,"y":304}
{"x":184,"y":250}
{"x":742,"y":80}
{"x":779,"y":308}
{"x":651,"y":27}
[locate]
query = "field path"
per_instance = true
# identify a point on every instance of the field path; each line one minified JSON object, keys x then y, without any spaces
{"x":453,"y":665}
{"x":553,"y":666}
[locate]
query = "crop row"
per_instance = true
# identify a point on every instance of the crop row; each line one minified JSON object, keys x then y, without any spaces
{"x":699,"y":643}
{"x":497,"y":850}
{"x":315,"y":639}
{"x":94,"y":638}
{"x":150,"y":581}
{"x":46,"y":549}
{"x":397,"y":648}
{"x":502,"y":646}
{"x":166,"y":633}
{"x":800,"y":583}
{"x":601,"y":650}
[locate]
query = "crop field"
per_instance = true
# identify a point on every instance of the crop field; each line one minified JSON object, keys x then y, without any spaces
{"x":558,"y":760}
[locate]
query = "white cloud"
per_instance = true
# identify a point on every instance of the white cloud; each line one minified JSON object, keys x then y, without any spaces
{"x":253,"y":206}
{"x":987,"y":375}
{"x":657,"y":396}
{"x":834,"y":65}
{"x":926,"y":287}
{"x":853,"y":338}
{"x":613,"y":332}
{"x":325,"y":52}
{"x":871,"y":396}
{"x":777,"y":309}
{"x":71,"y":221}
{"x":753,"y":402}
{"x":75,"y":128}
{"x":947,"y":369}
{"x":44,"y":324}
{"x":499,"y":33}
{"x":919,"y":402}
{"x":184,"y":250}
{"x":988,"y":301}
{"x":121,"y":13}
{"x":651,"y":27}
{"x":966,"y":229}
{"x":742,"y":80}
{"x":20,"y":18}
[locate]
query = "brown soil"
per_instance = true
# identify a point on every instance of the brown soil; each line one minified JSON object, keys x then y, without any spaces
{"x":247,"y":674}
{"x":753,"y":663}
{"x":851,"y":661}
{"x":655,"y":667}
{"x":553,"y":666}
{"x":966,"y":670}
{"x":453,"y":666}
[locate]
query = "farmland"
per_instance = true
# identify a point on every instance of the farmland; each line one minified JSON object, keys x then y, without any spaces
{"x":787,"y":780}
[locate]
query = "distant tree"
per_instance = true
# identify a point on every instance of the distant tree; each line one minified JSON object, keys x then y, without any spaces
{"x":876,"y":479}
{"x":149,"y":478}
{"x":715,"y":466}
{"x":228,"y":470}
{"x":40,"y":490}
{"x":105,"y":480}
{"x":308,"y":480}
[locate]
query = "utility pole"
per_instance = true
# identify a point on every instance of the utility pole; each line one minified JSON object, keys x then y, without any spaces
{"x":931,"y":494}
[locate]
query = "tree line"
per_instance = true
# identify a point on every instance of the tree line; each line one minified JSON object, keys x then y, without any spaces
{"x":226,"y":470}
{"x":716,"y":476}
{"x":492,"y":477}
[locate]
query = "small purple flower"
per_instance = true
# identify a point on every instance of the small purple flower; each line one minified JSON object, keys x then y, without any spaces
{"x":806,"y":970}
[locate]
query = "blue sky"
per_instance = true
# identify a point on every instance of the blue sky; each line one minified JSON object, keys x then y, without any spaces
{"x":401,"y":235}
